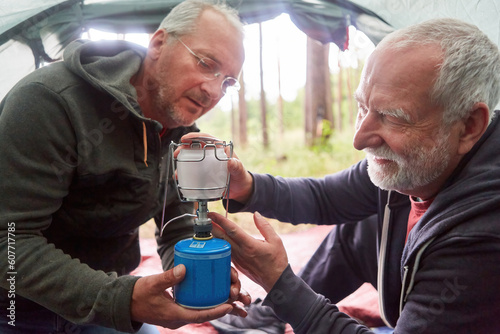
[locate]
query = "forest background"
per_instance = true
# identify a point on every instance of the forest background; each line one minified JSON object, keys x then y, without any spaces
{"x":295,"y":113}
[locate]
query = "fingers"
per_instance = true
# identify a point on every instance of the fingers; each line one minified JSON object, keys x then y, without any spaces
{"x":232,"y":232}
{"x":200,"y":316}
{"x":223,"y":224}
{"x":182,"y":316}
{"x":218,"y":231}
{"x":187,"y":138}
{"x":241,"y":187}
{"x":265,"y":228}
{"x":244,"y":297}
{"x":235,"y":166}
{"x":238,"y":294}
{"x":234,"y":275}
{"x":232,"y":154}
{"x":235,"y":286}
{"x":239,"y":310}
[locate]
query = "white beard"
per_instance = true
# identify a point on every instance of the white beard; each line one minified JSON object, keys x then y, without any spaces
{"x":417,"y":168}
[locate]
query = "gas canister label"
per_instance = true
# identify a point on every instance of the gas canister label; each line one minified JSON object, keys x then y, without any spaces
{"x":197,"y":244}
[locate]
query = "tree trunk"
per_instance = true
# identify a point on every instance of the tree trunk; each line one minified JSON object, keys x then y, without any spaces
{"x":318,"y":100}
{"x":243,"y":113}
{"x":234,"y":130}
{"x":350,"y":93}
{"x":281,"y":123}
{"x":340,"y":99}
{"x":263,"y":109}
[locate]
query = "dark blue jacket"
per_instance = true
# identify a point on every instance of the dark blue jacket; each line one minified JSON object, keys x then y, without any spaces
{"x":445,"y":279}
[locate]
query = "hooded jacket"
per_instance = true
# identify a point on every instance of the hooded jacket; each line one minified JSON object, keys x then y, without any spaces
{"x":443,"y":280}
{"x":81,"y":169}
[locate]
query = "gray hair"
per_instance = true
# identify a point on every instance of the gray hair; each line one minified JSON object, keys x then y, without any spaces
{"x":469,"y":71}
{"x":182,"y":18}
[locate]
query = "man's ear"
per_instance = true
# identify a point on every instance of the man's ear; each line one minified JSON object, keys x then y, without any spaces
{"x":473,"y":127}
{"x":156,"y":43}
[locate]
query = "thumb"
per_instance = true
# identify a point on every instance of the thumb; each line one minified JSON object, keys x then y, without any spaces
{"x":171,"y":277}
{"x":179,"y":271}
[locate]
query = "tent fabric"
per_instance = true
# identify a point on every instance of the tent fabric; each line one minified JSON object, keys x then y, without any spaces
{"x":485,"y":14}
{"x":46,"y":28}
{"x":323,"y":20}
{"x":13,"y":13}
{"x":33,"y":31}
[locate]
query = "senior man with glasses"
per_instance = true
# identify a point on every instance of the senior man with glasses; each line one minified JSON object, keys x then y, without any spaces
{"x":82,"y":168}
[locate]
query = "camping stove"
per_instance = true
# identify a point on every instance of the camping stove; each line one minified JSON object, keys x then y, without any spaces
{"x":202,"y":176}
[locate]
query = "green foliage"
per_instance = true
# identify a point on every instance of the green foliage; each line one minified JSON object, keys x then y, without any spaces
{"x":323,"y":142}
{"x":288,"y":155}
{"x":293,"y":159}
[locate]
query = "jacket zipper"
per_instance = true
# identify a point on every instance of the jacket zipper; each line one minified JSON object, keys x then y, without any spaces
{"x":381,"y":260}
{"x":418,"y":257}
{"x":145,"y":143}
{"x":402,"y":298}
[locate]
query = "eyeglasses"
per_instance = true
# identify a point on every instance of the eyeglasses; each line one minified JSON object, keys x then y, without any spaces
{"x":210,"y":70}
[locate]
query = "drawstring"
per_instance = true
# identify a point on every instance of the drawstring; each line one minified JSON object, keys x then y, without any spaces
{"x":145,"y":142}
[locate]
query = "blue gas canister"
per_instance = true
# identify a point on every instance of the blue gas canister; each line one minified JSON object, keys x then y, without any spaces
{"x":208,"y":272}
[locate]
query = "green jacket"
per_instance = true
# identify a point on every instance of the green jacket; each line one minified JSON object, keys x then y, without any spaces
{"x":80,"y":170}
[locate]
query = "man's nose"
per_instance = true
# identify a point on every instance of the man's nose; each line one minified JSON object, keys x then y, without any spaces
{"x":368,"y":131}
{"x":213,"y":88}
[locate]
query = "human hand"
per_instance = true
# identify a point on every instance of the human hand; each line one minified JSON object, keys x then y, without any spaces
{"x":241,"y":185}
{"x":263,"y":261}
{"x":238,"y":294}
{"x":152,"y":303}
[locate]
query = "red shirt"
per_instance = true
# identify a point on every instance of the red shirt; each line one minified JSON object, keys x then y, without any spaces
{"x":418,"y":208}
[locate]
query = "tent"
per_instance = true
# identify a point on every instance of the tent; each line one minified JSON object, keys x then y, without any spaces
{"x":33,"y":31}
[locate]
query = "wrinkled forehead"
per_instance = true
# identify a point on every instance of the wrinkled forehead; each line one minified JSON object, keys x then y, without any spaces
{"x":217,"y":37}
{"x":398,"y":78}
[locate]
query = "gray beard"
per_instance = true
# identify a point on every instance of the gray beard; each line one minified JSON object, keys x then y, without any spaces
{"x":422,"y":168}
{"x":168,"y":112}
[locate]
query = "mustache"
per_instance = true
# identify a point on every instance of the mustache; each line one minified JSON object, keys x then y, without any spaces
{"x":383,"y":152}
{"x":200,"y":98}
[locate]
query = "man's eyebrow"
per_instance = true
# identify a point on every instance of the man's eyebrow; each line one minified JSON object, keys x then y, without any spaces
{"x":397,"y":112}
{"x":207,"y":53}
{"x":357,"y":96}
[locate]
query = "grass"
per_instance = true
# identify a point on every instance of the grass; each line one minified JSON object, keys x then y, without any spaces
{"x":287,"y":157}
